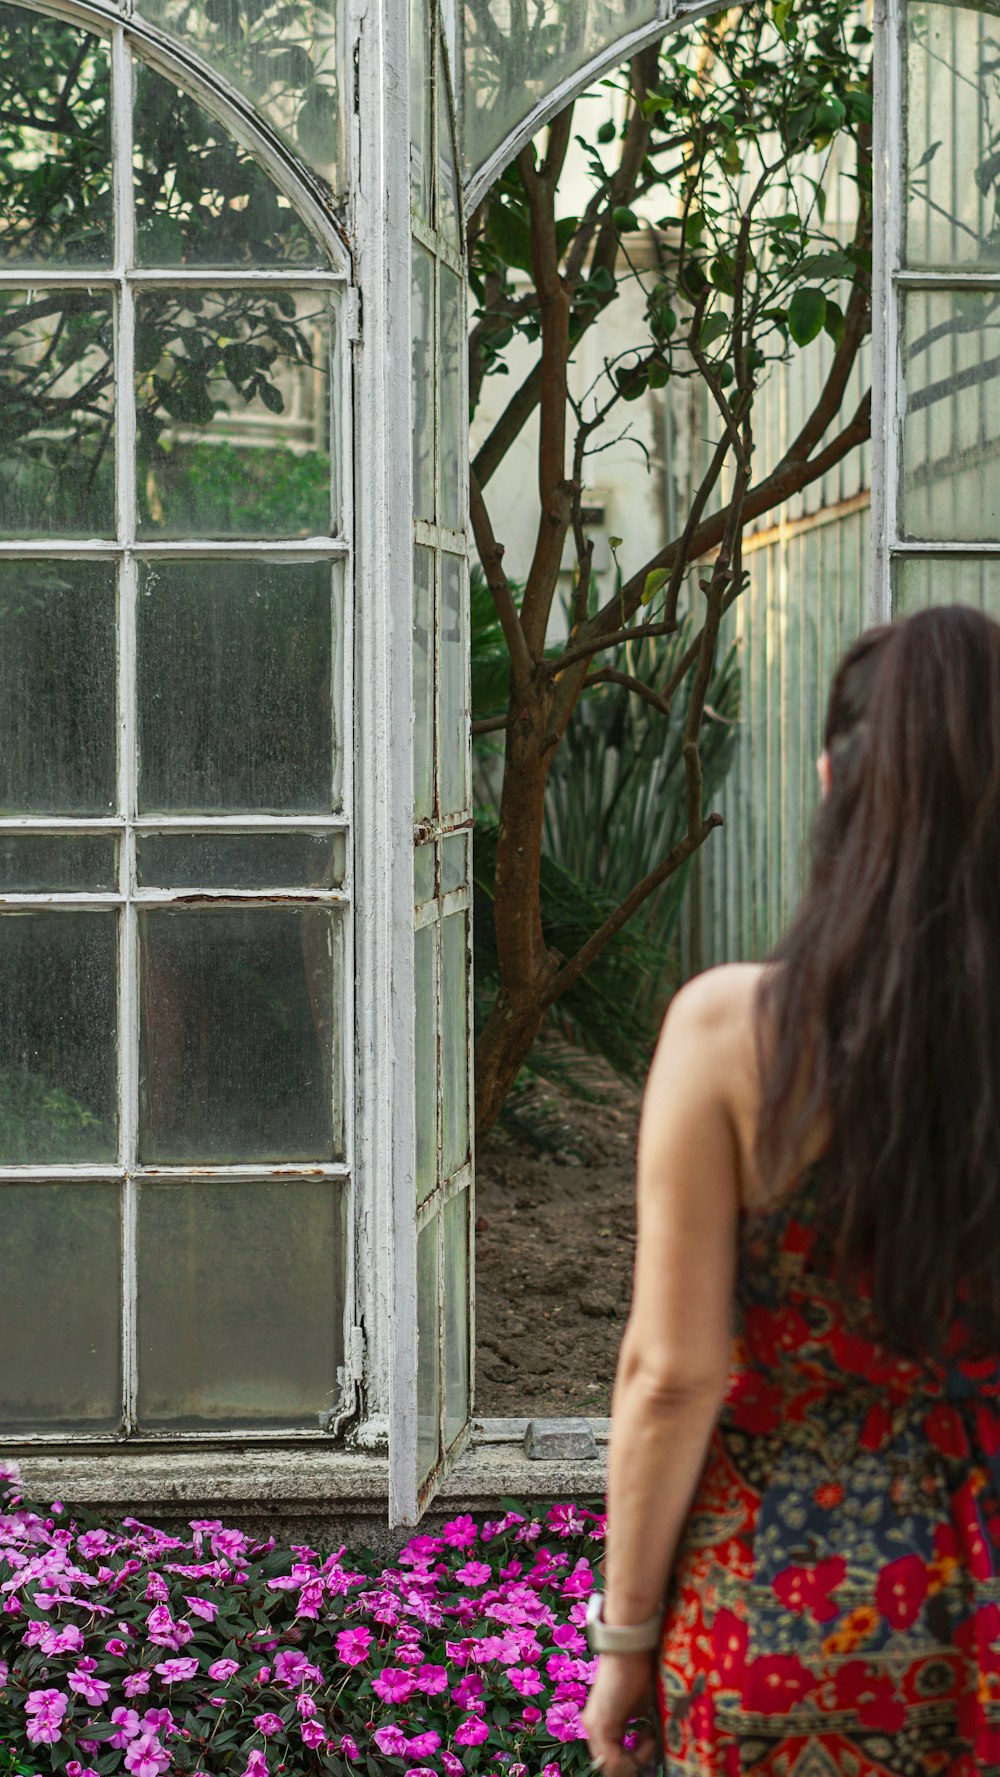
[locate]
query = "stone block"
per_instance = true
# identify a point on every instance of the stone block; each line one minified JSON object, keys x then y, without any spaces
{"x":559,"y":1440}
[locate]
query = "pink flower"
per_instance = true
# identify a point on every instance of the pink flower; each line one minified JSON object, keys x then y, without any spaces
{"x":93,"y":1690}
{"x":256,"y":1766}
{"x":566,"y":1520}
{"x":136,"y":1684}
{"x":220,"y":1670}
{"x":394,"y":1685}
{"x":563,"y":1722}
{"x":292,"y":1667}
{"x":474,"y":1573}
{"x":127,"y":1723}
{"x":268,"y":1723}
{"x":390,"y":1740}
{"x":569,"y":1639}
{"x":202,"y":1608}
{"x":353,"y":1645}
{"x":432,"y":1680}
{"x":530,"y":1715}
{"x":176,"y":1671}
{"x":305,"y":1705}
{"x":158,"y":1721}
{"x":313,"y":1733}
{"x":471,"y":1732}
{"x":45,"y":1711}
{"x":525,"y":1680}
{"x":145,"y":1757}
{"x":116,"y":1647}
{"x":453,"y":1766}
{"x":424,"y":1745}
{"x":75,"y":1769}
{"x":460,"y":1533}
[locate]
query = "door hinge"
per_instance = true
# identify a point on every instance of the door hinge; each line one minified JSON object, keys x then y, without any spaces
{"x":356,"y":1354}
{"x":353,"y":313}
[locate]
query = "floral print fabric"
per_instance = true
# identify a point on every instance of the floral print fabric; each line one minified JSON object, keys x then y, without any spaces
{"x":834,"y":1608}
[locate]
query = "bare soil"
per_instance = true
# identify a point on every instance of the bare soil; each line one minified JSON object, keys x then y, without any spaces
{"x":555,"y":1237}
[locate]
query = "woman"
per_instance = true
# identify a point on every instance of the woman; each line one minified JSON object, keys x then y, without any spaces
{"x":818,"y":1503}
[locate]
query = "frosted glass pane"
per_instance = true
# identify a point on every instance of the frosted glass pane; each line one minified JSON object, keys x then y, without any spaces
{"x":454,"y":420}
{"x":961,"y":580}
{"x":454,"y":729}
{"x":422,"y":326}
{"x":60,"y":1285}
{"x":234,"y":687}
{"x":58,"y":1016}
{"x":241,"y":860}
{"x":58,"y":861}
{"x":55,"y":142}
{"x":446,"y":200}
{"x":241,"y":1026}
{"x":423,"y":683}
{"x":421,"y":100}
{"x":241,"y":1303}
{"x":423,"y":874}
{"x":515,"y":56}
{"x":952,"y":132}
{"x":57,"y":687}
{"x":456,"y":1316}
{"x":951,"y":429}
{"x":428,"y":1355}
{"x":454,"y":863}
{"x":426,"y":1043}
{"x":201,"y":198}
{"x":454,"y":1042}
{"x":285,"y":55}
{"x":57,"y":374}
{"x":233,"y":411}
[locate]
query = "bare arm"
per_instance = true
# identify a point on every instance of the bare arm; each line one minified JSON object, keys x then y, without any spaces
{"x":674,"y":1358}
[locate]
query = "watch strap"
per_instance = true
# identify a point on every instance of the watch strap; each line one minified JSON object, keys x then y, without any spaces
{"x":620,"y":1638}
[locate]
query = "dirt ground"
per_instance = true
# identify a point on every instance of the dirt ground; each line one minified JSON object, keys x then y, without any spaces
{"x":555,"y":1235}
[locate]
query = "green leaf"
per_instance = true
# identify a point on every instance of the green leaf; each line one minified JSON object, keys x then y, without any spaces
{"x":722,"y":273}
{"x":806,"y":314}
{"x":712,"y":328}
{"x":654,"y":582}
{"x":511,"y":235}
{"x":607,"y":132}
{"x":625,"y":220}
{"x":833,"y":320}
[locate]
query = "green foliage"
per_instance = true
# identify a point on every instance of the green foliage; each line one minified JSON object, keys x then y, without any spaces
{"x":40,"y":1119}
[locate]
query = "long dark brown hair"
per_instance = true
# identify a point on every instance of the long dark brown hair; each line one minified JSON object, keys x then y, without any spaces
{"x":883,"y":1020}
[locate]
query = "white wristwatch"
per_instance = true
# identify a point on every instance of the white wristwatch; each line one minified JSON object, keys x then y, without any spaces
{"x":623,"y":1638}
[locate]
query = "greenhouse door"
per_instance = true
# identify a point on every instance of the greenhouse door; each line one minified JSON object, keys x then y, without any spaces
{"x":936,"y":419}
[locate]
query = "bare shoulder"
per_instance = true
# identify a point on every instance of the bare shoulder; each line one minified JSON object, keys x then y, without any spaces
{"x":717,"y":1004}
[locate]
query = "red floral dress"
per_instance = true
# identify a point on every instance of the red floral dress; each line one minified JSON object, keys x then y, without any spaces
{"x":834,"y":1609}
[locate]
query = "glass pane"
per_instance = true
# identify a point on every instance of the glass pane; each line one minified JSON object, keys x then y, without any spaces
{"x":961,"y":580}
{"x":514,"y":56}
{"x":57,"y":687}
{"x":454,"y":730}
{"x":456,"y":1316}
{"x":241,"y":860}
{"x":423,"y":874}
{"x":446,"y":202}
{"x":428,"y":1355}
{"x":283,"y":54}
{"x":950,"y":467}
{"x":55,"y":142}
{"x":454,"y":422}
{"x":58,"y":1017}
{"x":201,"y":198}
{"x":241,"y":1025}
{"x":84,"y":861}
{"x":423,"y":683}
{"x":952,"y":136}
{"x":57,"y":374}
{"x":454,"y":863}
{"x":60,"y":1284}
{"x":233,"y":413}
{"x":454,"y":1042}
{"x":422,"y":326}
{"x":426,"y":1085}
{"x":241,"y":1303}
{"x":421,"y":99}
{"x":234,"y":687}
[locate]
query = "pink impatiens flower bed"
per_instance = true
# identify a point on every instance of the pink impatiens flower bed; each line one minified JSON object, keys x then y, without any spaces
{"x":138,"y":1652}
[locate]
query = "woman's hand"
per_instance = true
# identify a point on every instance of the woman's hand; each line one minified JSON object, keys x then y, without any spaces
{"x":625,"y":1687}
